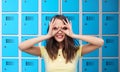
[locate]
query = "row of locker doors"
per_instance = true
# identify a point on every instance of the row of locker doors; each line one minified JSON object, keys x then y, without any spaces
{"x":29,"y":23}
{"x":10,"y":47}
{"x":32,"y":65}
{"x":67,"y":5}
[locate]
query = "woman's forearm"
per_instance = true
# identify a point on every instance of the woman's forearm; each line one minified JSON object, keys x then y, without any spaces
{"x":90,"y":39}
{"x":31,"y":42}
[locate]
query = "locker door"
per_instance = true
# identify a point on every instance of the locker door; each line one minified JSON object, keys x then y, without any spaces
{"x":30,"y":24}
{"x":8,"y":6}
{"x":29,"y":5}
{"x":70,"y":5}
{"x":10,"y":24}
{"x":9,"y":46}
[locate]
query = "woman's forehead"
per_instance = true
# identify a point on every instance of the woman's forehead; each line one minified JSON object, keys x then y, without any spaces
{"x":58,"y":22}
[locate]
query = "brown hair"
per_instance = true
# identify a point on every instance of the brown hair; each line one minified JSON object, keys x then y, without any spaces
{"x":70,"y":45}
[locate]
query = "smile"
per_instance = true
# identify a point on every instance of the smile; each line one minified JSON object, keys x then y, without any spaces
{"x":59,"y":36}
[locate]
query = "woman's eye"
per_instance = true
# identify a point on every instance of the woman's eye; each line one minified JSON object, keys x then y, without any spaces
{"x":64,"y":28}
{"x":55,"y":28}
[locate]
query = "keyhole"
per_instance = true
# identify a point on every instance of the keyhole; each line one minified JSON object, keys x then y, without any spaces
{"x":65,"y":0}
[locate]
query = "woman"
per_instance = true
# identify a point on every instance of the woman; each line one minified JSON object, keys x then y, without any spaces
{"x":61,"y":52}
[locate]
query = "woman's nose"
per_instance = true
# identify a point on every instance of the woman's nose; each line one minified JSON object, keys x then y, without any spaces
{"x":60,"y":31}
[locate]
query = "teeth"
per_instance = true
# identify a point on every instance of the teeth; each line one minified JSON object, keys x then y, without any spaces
{"x":60,"y":36}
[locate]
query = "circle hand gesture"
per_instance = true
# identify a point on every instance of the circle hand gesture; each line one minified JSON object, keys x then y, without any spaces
{"x":52,"y":29}
{"x":67,"y":29}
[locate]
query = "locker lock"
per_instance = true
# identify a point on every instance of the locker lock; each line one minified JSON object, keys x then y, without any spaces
{"x":109,"y":41}
{"x":105,"y":69}
{"x":29,"y":64}
{"x":8,"y":18}
{"x":105,"y":0}
{"x":85,"y":69}
{"x":5,"y":1}
{"x":44,"y":0}
{"x":9,"y":41}
{"x":85,"y":0}
{"x":28,"y":18}
{"x":89,"y":18}
{"x":9,"y":63}
{"x":85,"y":23}
{"x":25,"y":1}
{"x":105,"y":24}
{"x":109,"y":18}
{"x":48,"y":18}
{"x":109,"y":63}
{"x":65,"y":0}
{"x":89,"y":63}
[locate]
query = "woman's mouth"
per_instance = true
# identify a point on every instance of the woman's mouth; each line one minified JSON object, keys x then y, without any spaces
{"x":59,"y":36}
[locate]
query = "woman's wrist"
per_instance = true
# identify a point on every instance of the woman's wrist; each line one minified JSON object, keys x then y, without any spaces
{"x":44,"y":37}
{"x":48,"y":36}
{"x":74,"y":35}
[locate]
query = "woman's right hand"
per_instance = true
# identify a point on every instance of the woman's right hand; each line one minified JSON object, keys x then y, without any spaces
{"x":52,"y":29}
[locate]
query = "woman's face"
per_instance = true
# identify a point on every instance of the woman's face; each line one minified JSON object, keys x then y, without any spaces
{"x":59,"y":36}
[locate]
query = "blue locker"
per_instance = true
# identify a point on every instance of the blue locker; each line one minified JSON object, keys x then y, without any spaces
{"x":24,"y":54}
{"x":43,"y":67}
{"x":110,"y":65}
{"x":70,"y":5}
{"x":110,"y":24}
{"x":30,"y":24}
{"x":50,"y":6}
{"x":9,"y":23}
{"x":110,"y":47}
{"x":90,"y":5}
{"x":43,"y":43}
{"x":46,"y":18}
{"x":90,"y":65}
{"x":8,"y":6}
{"x":110,"y":5}
{"x":29,"y":65}
{"x":90,"y":24}
{"x":9,"y":46}
{"x":29,"y":5}
{"x":10,"y":65}
{"x":94,"y":53}
{"x":74,"y":18}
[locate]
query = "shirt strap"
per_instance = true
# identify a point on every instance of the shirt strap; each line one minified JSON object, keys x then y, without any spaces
{"x":80,"y":51}
{"x":42,"y":51}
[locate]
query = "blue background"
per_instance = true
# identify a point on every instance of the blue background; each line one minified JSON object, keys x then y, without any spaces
{"x":25,"y":19}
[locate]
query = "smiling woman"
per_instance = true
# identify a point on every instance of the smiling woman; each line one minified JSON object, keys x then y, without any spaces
{"x":61,"y":52}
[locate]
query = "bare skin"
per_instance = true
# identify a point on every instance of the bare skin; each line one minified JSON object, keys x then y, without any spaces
{"x":58,"y":30}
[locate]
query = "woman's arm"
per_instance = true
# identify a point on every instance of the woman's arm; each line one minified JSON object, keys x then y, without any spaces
{"x":31,"y":42}
{"x":28,"y":45}
{"x":94,"y":43}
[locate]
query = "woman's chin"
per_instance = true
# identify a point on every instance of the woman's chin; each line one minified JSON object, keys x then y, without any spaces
{"x":59,"y":40}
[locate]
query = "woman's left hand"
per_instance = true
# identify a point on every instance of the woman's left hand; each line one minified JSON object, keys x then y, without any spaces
{"x":67,"y":29}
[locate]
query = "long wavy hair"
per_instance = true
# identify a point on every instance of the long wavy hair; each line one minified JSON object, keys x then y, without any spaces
{"x":70,"y":45}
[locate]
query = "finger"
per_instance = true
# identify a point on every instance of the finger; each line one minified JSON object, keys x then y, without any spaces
{"x":52,"y":20}
{"x":65,"y":22}
{"x":53,"y":23}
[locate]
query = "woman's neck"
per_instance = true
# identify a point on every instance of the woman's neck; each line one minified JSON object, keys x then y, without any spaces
{"x":60,"y":46}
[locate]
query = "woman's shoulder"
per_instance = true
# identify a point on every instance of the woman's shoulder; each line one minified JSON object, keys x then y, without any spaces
{"x":42,"y":50}
{"x":79,"y":51}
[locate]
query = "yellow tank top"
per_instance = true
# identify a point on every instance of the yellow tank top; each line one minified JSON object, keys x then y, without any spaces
{"x":59,"y":64}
